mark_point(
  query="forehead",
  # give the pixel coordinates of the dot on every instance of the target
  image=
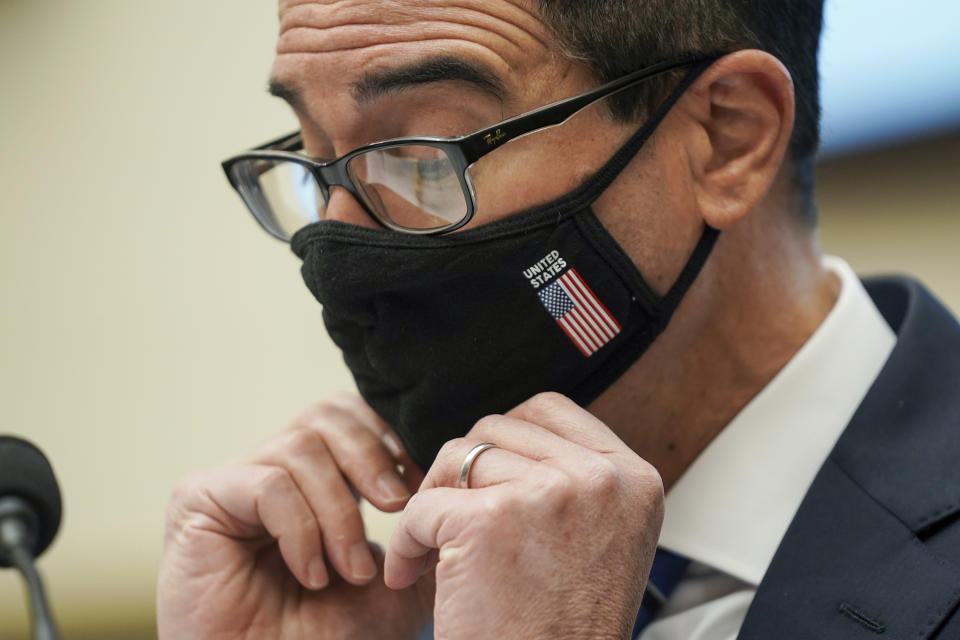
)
(325, 47)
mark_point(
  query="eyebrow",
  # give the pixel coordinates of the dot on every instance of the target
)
(438, 69)
(287, 92)
(375, 85)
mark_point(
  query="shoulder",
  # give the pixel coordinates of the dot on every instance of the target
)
(903, 443)
(879, 529)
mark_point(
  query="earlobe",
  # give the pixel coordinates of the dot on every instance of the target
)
(744, 108)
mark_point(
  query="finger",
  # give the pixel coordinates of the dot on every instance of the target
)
(491, 467)
(409, 470)
(356, 406)
(410, 552)
(363, 454)
(565, 418)
(247, 501)
(524, 438)
(413, 476)
(303, 453)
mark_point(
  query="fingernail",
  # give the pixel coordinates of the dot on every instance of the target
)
(392, 442)
(317, 573)
(361, 562)
(391, 487)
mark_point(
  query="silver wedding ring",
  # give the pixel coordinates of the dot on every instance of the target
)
(464, 481)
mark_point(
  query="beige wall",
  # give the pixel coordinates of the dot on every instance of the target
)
(148, 327)
(897, 211)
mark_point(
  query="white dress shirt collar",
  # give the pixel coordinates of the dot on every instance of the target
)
(733, 505)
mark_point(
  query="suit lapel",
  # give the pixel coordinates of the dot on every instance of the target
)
(853, 563)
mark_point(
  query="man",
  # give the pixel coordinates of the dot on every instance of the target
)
(494, 249)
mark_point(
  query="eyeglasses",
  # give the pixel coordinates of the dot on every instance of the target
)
(416, 185)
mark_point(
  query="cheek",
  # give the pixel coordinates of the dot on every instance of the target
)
(541, 168)
(516, 183)
(652, 213)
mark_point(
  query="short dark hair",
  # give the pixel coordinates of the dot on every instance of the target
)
(614, 37)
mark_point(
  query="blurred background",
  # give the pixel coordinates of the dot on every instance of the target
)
(148, 326)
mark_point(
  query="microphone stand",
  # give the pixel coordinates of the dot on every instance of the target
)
(15, 549)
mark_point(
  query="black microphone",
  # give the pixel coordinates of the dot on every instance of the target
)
(30, 512)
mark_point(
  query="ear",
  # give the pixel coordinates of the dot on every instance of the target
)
(743, 110)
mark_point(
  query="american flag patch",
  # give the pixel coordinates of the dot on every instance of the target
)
(579, 313)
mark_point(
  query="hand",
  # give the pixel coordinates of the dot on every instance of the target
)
(250, 546)
(554, 538)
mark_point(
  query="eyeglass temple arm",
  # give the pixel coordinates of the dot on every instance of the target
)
(478, 144)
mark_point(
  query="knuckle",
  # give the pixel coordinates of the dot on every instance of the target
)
(363, 459)
(186, 488)
(489, 513)
(346, 526)
(191, 501)
(184, 493)
(553, 487)
(546, 407)
(367, 446)
(649, 479)
(336, 404)
(305, 523)
(648, 491)
(301, 438)
(549, 397)
(340, 506)
(352, 403)
(487, 425)
(453, 449)
(410, 508)
(319, 415)
(310, 413)
(274, 480)
(547, 401)
(446, 464)
(601, 476)
(343, 404)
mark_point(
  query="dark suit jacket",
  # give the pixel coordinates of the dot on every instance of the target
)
(874, 550)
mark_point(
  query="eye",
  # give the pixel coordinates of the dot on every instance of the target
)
(432, 168)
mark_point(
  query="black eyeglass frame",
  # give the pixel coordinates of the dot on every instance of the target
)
(462, 151)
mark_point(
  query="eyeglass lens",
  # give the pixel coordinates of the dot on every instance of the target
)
(411, 186)
(283, 195)
(415, 187)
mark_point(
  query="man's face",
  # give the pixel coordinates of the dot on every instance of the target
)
(359, 71)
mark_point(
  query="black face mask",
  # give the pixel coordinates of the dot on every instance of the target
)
(440, 331)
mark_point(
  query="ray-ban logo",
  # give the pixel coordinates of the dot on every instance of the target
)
(495, 137)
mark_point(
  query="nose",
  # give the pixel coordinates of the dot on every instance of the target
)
(344, 207)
